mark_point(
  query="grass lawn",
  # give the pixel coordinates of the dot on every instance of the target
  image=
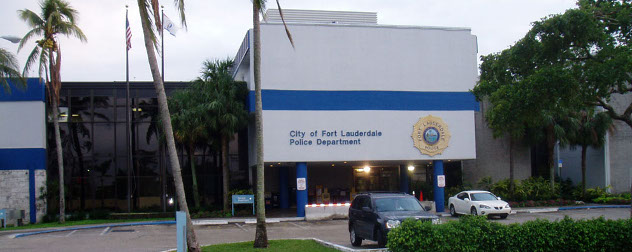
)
(82, 222)
(274, 245)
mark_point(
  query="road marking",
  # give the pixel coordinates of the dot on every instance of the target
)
(69, 234)
(105, 230)
(303, 227)
(241, 227)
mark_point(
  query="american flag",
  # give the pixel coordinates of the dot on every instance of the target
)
(129, 33)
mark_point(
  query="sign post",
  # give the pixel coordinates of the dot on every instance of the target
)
(181, 230)
(244, 199)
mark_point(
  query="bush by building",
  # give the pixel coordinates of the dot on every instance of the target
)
(475, 233)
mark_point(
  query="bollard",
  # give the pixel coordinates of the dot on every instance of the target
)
(181, 230)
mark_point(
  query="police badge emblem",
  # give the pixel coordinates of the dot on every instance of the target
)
(431, 135)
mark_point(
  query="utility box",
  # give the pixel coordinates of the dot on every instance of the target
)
(15, 216)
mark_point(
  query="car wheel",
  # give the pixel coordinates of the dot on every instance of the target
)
(452, 211)
(504, 216)
(354, 238)
(473, 211)
(381, 238)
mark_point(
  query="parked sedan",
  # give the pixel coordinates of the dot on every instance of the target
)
(478, 203)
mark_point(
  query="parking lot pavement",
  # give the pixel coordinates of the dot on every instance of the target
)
(162, 237)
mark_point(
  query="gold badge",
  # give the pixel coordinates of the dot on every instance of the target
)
(431, 135)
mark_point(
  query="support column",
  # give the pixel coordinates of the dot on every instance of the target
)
(438, 191)
(403, 179)
(301, 195)
(284, 194)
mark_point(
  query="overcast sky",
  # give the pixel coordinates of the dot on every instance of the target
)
(216, 29)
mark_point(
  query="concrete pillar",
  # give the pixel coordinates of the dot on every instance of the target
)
(438, 191)
(284, 194)
(301, 195)
(403, 179)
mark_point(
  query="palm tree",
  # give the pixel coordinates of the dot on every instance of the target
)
(9, 70)
(189, 125)
(227, 103)
(145, 8)
(591, 132)
(261, 235)
(57, 17)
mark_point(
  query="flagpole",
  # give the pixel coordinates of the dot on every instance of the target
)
(162, 43)
(128, 119)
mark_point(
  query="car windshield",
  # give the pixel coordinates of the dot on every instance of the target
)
(483, 196)
(397, 204)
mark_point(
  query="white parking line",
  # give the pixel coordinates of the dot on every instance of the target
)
(69, 234)
(303, 227)
(105, 230)
(241, 227)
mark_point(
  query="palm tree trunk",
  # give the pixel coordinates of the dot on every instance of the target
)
(261, 235)
(60, 163)
(550, 147)
(54, 86)
(225, 172)
(511, 167)
(192, 243)
(583, 170)
(196, 192)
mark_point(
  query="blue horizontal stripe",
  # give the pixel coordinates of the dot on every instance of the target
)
(23, 159)
(34, 91)
(364, 100)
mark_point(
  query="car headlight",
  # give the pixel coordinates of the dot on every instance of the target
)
(436, 221)
(392, 224)
(507, 206)
(484, 206)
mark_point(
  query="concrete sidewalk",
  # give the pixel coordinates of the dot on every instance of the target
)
(551, 209)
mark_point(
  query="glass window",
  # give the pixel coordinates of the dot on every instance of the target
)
(80, 138)
(80, 114)
(483, 197)
(103, 114)
(103, 166)
(147, 165)
(121, 139)
(146, 137)
(104, 139)
(397, 204)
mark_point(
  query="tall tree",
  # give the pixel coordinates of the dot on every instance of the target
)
(518, 83)
(261, 235)
(592, 132)
(606, 73)
(146, 9)
(227, 103)
(190, 127)
(57, 17)
(9, 70)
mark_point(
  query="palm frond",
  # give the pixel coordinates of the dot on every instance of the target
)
(287, 31)
(145, 10)
(31, 19)
(32, 58)
(180, 6)
(155, 8)
(9, 70)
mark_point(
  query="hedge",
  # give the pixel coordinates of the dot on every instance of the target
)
(476, 233)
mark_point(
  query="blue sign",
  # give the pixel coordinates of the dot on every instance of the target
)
(244, 199)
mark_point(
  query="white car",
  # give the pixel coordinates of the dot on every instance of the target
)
(478, 203)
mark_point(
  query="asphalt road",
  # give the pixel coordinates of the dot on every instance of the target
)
(162, 237)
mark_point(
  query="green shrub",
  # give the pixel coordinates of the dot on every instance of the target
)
(475, 233)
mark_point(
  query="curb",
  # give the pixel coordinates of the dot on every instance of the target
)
(343, 248)
(321, 242)
(92, 227)
(590, 207)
